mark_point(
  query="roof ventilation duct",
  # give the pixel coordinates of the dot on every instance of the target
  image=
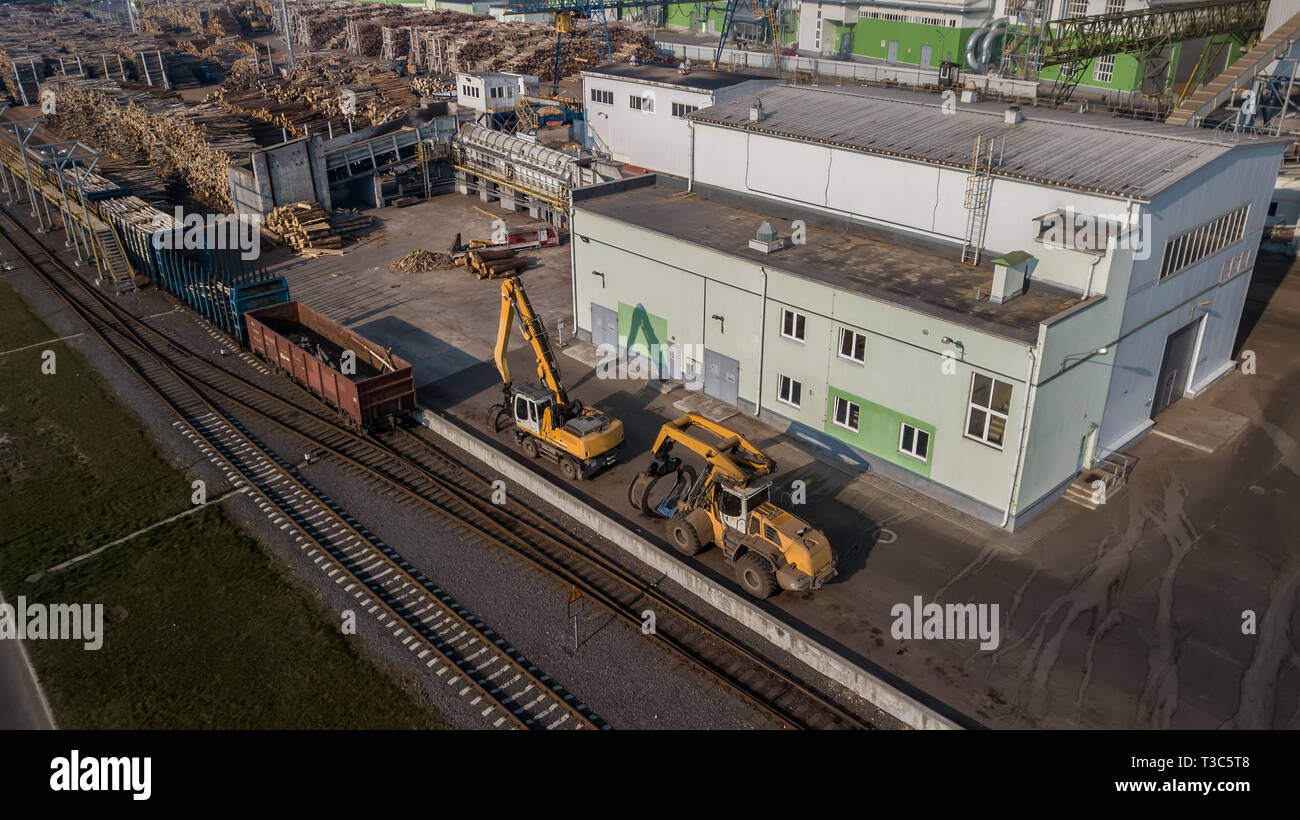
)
(756, 111)
(766, 239)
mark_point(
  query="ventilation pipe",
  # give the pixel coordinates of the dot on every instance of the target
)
(986, 48)
(972, 46)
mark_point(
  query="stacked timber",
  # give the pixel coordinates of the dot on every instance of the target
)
(195, 143)
(311, 231)
(494, 263)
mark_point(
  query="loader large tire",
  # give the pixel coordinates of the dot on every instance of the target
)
(683, 536)
(756, 576)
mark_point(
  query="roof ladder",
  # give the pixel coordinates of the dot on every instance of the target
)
(978, 185)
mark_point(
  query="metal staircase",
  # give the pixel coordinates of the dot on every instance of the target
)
(113, 264)
(1240, 74)
(978, 185)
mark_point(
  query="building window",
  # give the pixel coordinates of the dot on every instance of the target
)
(792, 325)
(638, 103)
(1077, 8)
(846, 414)
(1104, 69)
(1190, 247)
(789, 391)
(1114, 6)
(602, 97)
(990, 402)
(853, 345)
(682, 109)
(913, 442)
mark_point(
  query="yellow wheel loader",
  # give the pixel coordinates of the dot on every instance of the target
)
(546, 423)
(729, 505)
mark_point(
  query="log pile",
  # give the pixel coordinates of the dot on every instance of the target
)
(195, 143)
(422, 261)
(494, 263)
(311, 231)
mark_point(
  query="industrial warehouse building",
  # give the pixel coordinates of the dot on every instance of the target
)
(988, 386)
(636, 114)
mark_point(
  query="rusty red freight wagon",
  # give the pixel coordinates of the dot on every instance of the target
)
(367, 384)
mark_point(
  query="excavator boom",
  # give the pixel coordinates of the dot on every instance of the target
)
(514, 302)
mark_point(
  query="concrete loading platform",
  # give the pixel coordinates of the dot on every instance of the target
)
(1098, 612)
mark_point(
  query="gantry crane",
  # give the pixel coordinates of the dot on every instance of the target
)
(730, 505)
(1072, 43)
(547, 423)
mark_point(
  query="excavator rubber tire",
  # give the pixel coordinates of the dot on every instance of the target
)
(756, 576)
(683, 536)
(529, 446)
(494, 414)
(570, 469)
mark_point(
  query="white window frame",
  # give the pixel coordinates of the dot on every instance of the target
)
(642, 103)
(835, 412)
(601, 96)
(855, 335)
(916, 433)
(682, 109)
(988, 411)
(1103, 71)
(1195, 245)
(795, 323)
(789, 386)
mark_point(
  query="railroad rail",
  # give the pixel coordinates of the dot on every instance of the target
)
(418, 468)
(467, 648)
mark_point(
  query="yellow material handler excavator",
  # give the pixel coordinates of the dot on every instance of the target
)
(729, 505)
(547, 424)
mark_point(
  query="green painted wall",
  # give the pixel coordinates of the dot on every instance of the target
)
(868, 36)
(878, 431)
(639, 331)
(679, 14)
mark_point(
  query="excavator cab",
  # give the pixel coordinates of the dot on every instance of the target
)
(530, 406)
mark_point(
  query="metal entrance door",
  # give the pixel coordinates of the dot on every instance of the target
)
(893, 52)
(925, 56)
(604, 326)
(721, 377)
(1175, 368)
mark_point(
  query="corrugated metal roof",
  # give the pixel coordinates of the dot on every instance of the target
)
(1084, 152)
(704, 79)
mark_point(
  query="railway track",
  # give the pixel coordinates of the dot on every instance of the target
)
(422, 471)
(460, 648)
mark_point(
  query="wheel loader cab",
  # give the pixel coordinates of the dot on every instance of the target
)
(734, 505)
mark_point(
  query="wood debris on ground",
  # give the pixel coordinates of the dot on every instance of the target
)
(422, 261)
